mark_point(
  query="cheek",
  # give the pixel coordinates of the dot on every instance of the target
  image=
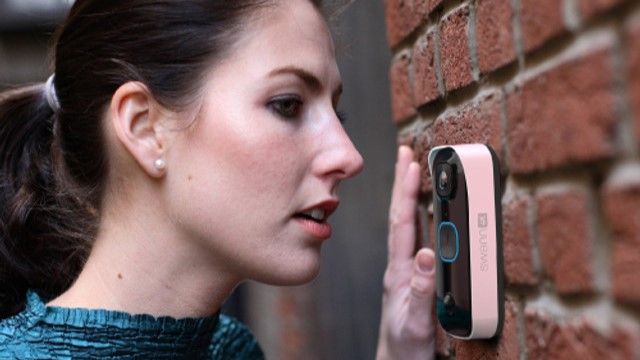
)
(255, 160)
(235, 170)
(235, 191)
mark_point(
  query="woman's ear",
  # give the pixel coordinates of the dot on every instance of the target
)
(137, 122)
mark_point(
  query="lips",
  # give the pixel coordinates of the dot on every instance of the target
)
(319, 212)
(313, 219)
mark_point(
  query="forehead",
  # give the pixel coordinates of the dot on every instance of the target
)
(288, 33)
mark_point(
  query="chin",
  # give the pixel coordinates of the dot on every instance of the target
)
(290, 272)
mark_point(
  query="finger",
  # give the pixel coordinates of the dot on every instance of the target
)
(422, 293)
(402, 234)
(405, 154)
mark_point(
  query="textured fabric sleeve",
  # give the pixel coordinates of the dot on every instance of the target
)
(233, 340)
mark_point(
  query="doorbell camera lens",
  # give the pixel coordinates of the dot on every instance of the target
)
(445, 179)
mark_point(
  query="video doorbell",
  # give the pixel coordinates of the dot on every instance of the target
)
(468, 240)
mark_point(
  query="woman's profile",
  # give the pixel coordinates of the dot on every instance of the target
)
(179, 149)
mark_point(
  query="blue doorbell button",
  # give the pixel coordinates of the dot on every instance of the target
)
(448, 242)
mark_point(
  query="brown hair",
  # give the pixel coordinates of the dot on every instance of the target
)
(53, 164)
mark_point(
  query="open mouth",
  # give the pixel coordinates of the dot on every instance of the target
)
(314, 224)
(316, 215)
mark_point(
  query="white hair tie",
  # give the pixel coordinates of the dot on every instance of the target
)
(50, 94)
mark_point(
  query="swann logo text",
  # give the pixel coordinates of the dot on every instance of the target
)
(483, 222)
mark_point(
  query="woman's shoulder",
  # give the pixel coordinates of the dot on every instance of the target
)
(233, 340)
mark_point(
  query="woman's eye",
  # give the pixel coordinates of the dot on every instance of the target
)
(287, 107)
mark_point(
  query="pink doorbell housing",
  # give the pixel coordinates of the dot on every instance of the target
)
(468, 222)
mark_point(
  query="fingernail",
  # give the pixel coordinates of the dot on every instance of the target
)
(401, 149)
(425, 263)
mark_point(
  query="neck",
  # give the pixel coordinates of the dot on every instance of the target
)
(142, 265)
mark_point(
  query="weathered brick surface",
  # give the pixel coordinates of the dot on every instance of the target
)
(560, 112)
(504, 347)
(494, 34)
(455, 54)
(622, 211)
(565, 240)
(541, 20)
(547, 338)
(589, 8)
(433, 4)
(476, 122)
(425, 71)
(632, 40)
(479, 121)
(563, 116)
(517, 243)
(401, 90)
(402, 17)
(424, 144)
(443, 341)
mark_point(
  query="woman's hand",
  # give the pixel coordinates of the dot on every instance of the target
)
(406, 328)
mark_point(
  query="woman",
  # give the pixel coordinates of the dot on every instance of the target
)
(193, 144)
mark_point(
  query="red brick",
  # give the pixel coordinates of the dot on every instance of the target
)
(401, 92)
(433, 4)
(425, 71)
(494, 34)
(589, 8)
(539, 330)
(627, 342)
(403, 17)
(479, 121)
(518, 256)
(548, 339)
(622, 211)
(454, 49)
(476, 122)
(633, 60)
(443, 341)
(563, 116)
(504, 347)
(541, 20)
(565, 240)
(424, 144)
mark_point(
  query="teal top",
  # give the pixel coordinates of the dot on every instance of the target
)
(50, 332)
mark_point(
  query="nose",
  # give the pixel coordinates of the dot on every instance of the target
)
(339, 158)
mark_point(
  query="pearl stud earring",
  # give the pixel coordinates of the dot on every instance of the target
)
(160, 164)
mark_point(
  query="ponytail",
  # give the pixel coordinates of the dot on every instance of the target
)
(42, 245)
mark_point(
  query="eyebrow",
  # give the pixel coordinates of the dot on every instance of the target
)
(307, 77)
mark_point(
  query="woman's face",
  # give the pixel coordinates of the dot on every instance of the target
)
(266, 147)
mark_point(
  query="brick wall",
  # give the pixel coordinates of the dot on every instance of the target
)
(554, 87)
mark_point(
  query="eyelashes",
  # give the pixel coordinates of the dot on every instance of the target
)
(289, 107)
